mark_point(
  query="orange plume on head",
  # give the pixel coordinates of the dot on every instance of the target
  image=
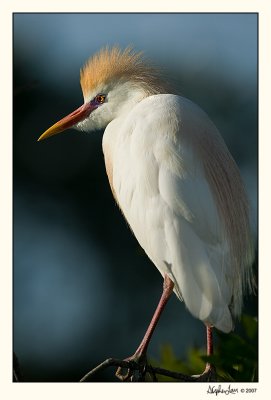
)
(113, 63)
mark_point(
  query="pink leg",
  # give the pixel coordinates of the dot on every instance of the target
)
(209, 373)
(167, 291)
(210, 347)
(141, 351)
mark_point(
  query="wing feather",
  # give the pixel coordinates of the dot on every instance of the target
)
(170, 195)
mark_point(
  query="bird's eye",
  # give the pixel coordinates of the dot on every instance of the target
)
(100, 98)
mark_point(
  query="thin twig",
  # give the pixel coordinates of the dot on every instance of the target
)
(17, 373)
(132, 365)
(110, 362)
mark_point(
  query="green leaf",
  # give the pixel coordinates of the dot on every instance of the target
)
(235, 356)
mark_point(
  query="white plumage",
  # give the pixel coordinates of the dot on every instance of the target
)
(160, 186)
(174, 180)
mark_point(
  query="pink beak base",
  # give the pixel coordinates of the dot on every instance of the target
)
(69, 121)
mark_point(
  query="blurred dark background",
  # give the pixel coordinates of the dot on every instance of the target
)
(84, 290)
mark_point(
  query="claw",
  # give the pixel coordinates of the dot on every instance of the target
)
(121, 375)
(208, 375)
(132, 374)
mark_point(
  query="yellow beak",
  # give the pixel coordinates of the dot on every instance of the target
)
(69, 121)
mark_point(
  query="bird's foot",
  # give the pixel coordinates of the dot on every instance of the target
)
(137, 372)
(208, 375)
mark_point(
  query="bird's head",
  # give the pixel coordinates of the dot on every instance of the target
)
(112, 82)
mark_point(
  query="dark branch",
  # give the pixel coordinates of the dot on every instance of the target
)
(134, 366)
(17, 374)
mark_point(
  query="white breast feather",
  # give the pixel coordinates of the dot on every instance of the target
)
(161, 188)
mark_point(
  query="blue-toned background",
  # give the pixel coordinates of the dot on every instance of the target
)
(83, 288)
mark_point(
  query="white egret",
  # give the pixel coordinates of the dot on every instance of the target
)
(176, 183)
